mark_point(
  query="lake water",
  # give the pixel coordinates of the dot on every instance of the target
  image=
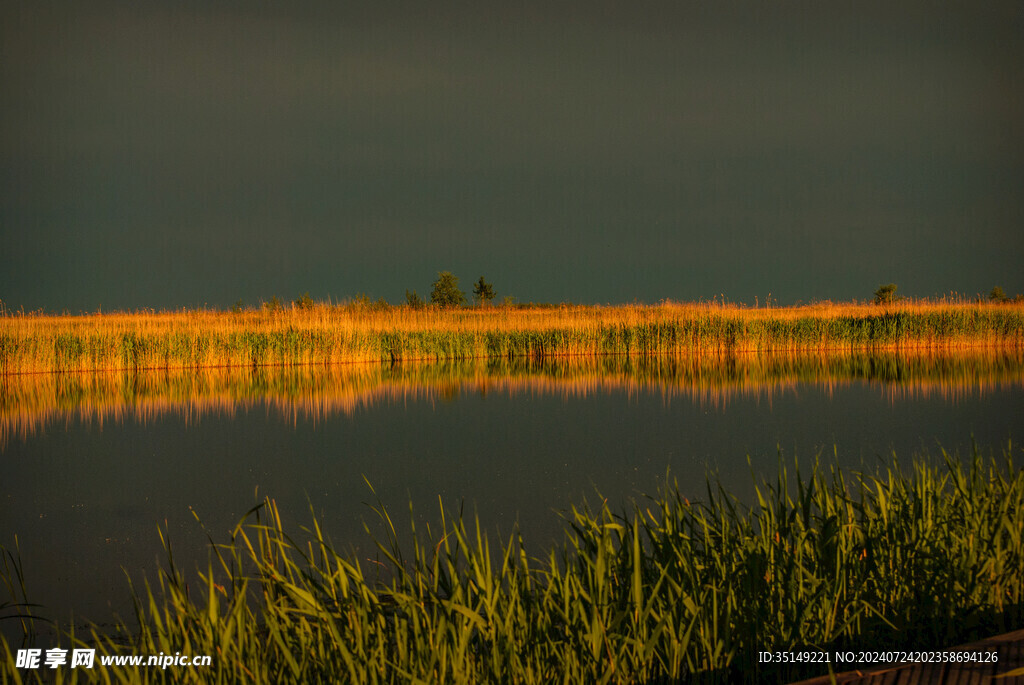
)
(94, 464)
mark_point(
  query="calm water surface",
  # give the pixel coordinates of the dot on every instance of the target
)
(94, 465)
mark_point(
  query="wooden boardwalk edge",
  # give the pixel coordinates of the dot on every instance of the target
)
(1008, 646)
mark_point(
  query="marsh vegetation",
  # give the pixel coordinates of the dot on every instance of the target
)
(666, 590)
(322, 334)
(672, 587)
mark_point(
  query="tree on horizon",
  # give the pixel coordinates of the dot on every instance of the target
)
(446, 291)
(885, 293)
(484, 291)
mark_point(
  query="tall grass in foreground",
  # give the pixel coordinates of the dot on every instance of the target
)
(670, 590)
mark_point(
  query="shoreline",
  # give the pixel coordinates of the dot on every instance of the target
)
(326, 335)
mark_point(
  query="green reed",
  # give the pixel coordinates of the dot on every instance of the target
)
(669, 590)
(326, 334)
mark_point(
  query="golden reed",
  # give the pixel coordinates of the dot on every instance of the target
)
(325, 334)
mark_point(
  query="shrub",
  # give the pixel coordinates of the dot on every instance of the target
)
(885, 294)
(414, 300)
(364, 303)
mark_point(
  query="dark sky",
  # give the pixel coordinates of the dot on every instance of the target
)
(170, 154)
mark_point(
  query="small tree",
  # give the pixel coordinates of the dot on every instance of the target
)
(446, 291)
(885, 294)
(997, 295)
(413, 299)
(304, 302)
(484, 291)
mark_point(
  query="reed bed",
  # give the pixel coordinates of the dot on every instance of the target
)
(667, 591)
(30, 401)
(326, 334)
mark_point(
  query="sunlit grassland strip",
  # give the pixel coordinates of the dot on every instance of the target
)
(666, 591)
(30, 401)
(328, 334)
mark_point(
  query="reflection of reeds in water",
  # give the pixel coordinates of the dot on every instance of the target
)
(29, 402)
